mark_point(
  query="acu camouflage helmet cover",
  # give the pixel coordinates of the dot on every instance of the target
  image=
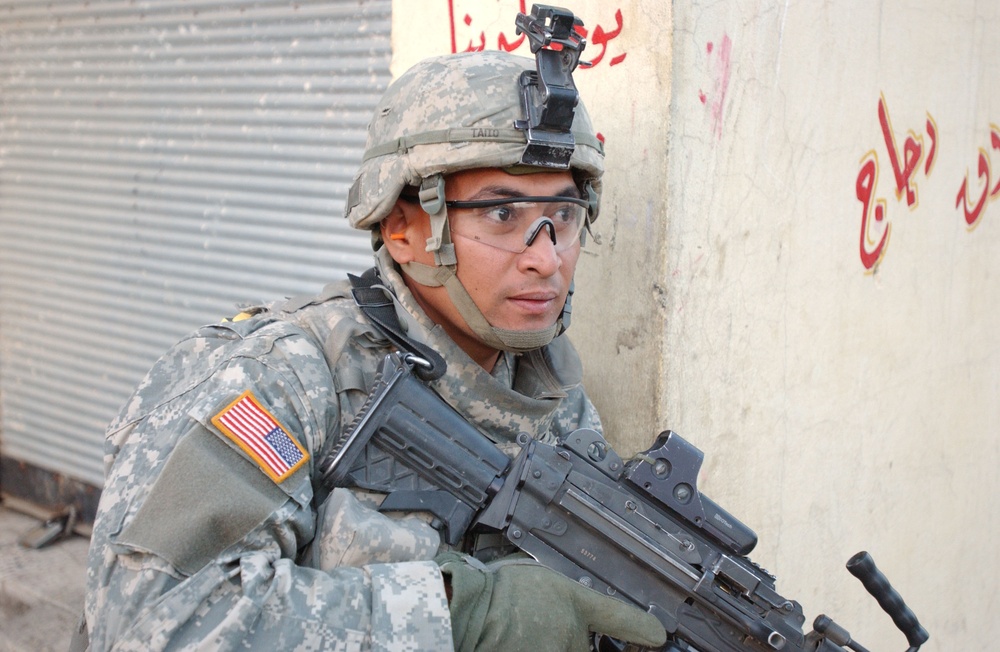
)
(451, 113)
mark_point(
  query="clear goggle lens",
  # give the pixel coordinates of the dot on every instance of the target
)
(513, 224)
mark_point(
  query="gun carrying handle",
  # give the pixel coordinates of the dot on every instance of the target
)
(862, 566)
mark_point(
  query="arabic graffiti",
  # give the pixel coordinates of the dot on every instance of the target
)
(599, 38)
(905, 163)
(867, 180)
(874, 226)
(602, 38)
(912, 151)
(973, 214)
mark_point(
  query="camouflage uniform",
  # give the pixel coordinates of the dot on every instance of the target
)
(200, 545)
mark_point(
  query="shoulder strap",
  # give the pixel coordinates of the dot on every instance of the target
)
(378, 307)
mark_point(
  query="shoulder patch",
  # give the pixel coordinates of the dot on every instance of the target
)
(258, 433)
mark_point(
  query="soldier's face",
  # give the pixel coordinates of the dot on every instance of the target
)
(514, 291)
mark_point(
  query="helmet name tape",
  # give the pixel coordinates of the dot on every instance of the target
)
(405, 143)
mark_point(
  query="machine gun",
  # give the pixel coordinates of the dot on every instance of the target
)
(638, 530)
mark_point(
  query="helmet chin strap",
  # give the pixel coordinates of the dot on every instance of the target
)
(498, 338)
(443, 273)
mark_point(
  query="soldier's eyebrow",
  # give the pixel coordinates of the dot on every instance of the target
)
(499, 191)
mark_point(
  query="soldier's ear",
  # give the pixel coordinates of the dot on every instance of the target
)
(400, 232)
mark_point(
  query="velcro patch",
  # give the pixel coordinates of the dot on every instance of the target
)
(258, 433)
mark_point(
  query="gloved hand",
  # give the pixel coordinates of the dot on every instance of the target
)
(518, 605)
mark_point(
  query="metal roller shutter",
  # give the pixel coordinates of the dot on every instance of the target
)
(160, 163)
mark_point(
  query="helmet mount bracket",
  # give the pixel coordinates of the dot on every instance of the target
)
(548, 94)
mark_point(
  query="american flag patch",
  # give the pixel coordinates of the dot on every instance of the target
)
(260, 435)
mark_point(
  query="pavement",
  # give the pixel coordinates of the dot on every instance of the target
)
(41, 591)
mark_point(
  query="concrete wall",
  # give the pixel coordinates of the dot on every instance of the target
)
(799, 274)
(833, 317)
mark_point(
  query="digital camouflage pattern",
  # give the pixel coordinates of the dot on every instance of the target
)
(453, 113)
(195, 547)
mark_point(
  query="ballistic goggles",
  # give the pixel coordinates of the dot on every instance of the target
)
(513, 224)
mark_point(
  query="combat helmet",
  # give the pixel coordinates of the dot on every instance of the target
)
(466, 111)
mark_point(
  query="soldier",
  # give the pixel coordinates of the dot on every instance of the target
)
(214, 531)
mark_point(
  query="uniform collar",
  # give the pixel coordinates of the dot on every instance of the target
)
(509, 403)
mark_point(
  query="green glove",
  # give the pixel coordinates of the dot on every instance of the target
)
(517, 604)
